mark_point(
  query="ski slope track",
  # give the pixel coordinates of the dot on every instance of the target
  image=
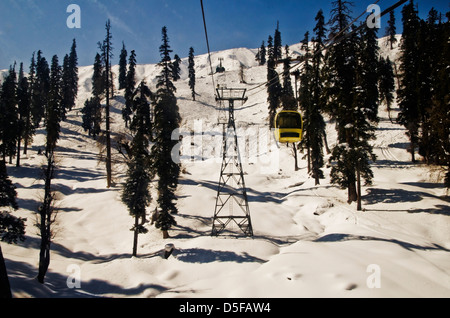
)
(308, 242)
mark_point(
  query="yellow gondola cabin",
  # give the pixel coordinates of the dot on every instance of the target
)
(288, 126)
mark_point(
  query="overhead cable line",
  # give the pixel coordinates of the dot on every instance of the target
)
(207, 45)
(335, 40)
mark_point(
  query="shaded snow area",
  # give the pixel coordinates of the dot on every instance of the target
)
(308, 242)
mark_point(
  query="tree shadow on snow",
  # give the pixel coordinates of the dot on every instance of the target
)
(340, 237)
(200, 255)
(375, 196)
(393, 196)
(22, 277)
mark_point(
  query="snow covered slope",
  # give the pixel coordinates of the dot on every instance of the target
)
(308, 241)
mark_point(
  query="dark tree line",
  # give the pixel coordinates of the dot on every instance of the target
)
(347, 82)
(46, 94)
(23, 101)
(423, 95)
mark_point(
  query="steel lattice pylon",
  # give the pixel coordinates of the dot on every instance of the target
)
(231, 202)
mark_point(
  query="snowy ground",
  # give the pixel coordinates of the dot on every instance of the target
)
(308, 241)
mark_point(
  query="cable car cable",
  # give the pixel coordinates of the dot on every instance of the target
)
(333, 41)
(207, 45)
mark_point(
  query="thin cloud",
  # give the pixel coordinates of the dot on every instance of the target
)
(116, 21)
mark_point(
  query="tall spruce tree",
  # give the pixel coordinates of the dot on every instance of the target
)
(92, 110)
(8, 115)
(273, 83)
(430, 42)
(47, 212)
(23, 103)
(92, 116)
(98, 80)
(262, 54)
(191, 69)
(408, 91)
(69, 88)
(288, 100)
(365, 108)
(73, 69)
(167, 120)
(391, 30)
(40, 89)
(130, 85)
(277, 44)
(106, 49)
(440, 115)
(29, 128)
(176, 68)
(386, 83)
(123, 67)
(316, 125)
(340, 77)
(136, 193)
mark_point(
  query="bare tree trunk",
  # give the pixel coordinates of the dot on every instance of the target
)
(295, 156)
(45, 212)
(108, 126)
(25, 141)
(136, 233)
(18, 152)
(326, 143)
(358, 182)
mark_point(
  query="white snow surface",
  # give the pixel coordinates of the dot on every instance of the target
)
(308, 242)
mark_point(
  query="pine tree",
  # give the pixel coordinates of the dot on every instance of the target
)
(288, 100)
(29, 129)
(92, 110)
(386, 83)
(106, 50)
(92, 116)
(366, 107)
(167, 119)
(40, 89)
(123, 67)
(12, 228)
(176, 68)
(73, 69)
(53, 126)
(391, 30)
(277, 44)
(130, 84)
(430, 42)
(262, 54)
(273, 83)
(98, 81)
(136, 194)
(191, 68)
(440, 115)
(8, 115)
(340, 78)
(408, 91)
(53, 111)
(69, 89)
(68, 100)
(23, 103)
(315, 130)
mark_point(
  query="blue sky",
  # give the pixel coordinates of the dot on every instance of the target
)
(30, 25)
